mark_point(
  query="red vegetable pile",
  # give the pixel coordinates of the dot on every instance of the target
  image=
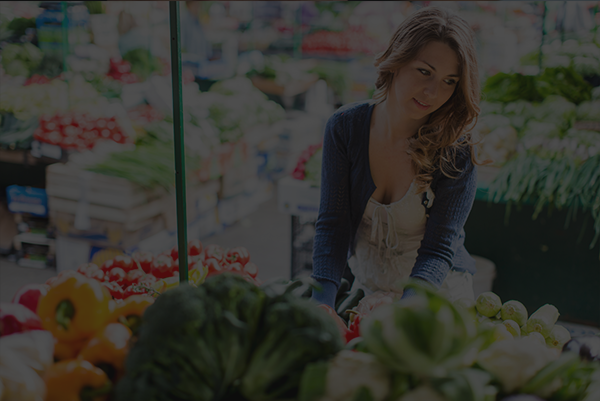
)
(78, 131)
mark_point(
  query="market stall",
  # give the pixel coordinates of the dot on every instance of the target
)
(144, 305)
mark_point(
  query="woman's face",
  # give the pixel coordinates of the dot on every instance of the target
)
(424, 84)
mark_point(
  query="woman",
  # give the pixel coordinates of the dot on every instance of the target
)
(398, 175)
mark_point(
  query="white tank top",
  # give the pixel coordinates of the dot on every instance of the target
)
(388, 238)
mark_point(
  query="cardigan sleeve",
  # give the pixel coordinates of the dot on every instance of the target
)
(444, 232)
(332, 229)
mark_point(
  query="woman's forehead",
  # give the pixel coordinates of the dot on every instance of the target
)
(440, 57)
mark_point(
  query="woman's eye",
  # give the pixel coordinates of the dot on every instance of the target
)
(451, 82)
(424, 72)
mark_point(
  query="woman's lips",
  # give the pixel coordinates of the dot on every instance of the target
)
(419, 105)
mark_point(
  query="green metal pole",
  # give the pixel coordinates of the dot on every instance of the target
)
(541, 54)
(179, 141)
(65, 34)
(65, 45)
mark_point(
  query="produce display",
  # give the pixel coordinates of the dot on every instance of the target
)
(126, 328)
(427, 348)
(308, 167)
(79, 130)
(342, 44)
(529, 129)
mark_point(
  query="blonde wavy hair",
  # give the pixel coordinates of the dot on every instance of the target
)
(447, 130)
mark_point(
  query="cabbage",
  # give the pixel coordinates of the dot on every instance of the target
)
(424, 335)
(348, 374)
(515, 363)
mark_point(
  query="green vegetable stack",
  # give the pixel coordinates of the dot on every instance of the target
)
(424, 344)
(510, 320)
(226, 339)
(21, 59)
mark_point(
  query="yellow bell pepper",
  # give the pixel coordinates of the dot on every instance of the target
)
(108, 350)
(76, 380)
(131, 310)
(75, 308)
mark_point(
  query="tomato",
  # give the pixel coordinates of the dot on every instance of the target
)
(251, 269)
(144, 259)
(216, 252)
(124, 262)
(194, 247)
(116, 275)
(162, 267)
(116, 291)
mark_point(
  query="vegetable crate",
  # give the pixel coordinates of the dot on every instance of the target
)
(538, 261)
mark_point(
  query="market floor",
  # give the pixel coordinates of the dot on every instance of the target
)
(266, 234)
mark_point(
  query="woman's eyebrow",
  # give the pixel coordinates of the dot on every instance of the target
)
(433, 68)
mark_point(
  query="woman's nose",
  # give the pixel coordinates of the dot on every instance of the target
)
(431, 90)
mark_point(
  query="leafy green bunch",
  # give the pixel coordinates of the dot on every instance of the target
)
(562, 81)
(226, 339)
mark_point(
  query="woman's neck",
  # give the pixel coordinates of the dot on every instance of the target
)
(395, 125)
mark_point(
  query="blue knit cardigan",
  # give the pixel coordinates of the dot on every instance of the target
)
(347, 185)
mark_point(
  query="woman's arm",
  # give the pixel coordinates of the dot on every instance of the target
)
(332, 235)
(444, 233)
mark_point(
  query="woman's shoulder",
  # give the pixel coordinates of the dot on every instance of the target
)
(351, 111)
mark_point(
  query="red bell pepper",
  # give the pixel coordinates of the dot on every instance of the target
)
(163, 267)
(107, 266)
(133, 277)
(135, 289)
(124, 262)
(116, 291)
(195, 247)
(213, 267)
(144, 259)
(17, 318)
(194, 260)
(338, 320)
(251, 269)
(116, 275)
(215, 252)
(91, 270)
(353, 329)
(239, 255)
(174, 253)
(29, 295)
(236, 268)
